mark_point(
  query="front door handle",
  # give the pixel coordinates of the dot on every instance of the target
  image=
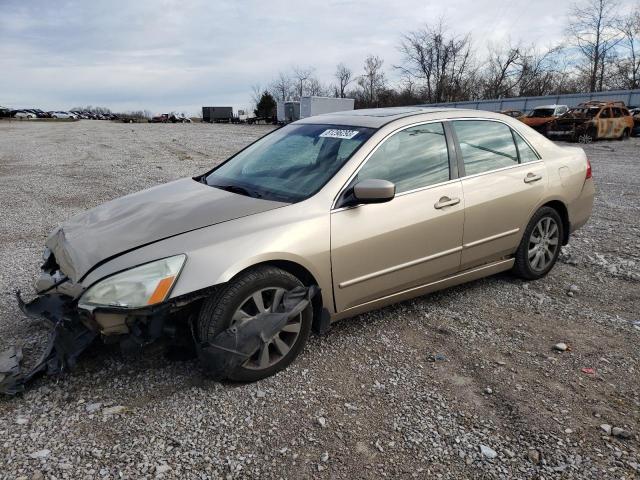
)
(446, 202)
(532, 177)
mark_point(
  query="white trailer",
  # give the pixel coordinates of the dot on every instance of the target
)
(310, 106)
(288, 111)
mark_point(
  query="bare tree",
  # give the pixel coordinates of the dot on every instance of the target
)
(539, 71)
(344, 76)
(373, 79)
(628, 68)
(301, 75)
(281, 87)
(592, 30)
(408, 85)
(503, 71)
(315, 87)
(256, 93)
(442, 65)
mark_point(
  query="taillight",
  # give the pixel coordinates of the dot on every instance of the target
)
(588, 170)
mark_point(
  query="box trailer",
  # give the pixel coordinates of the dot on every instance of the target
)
(288, 111)
(217, 114)
(311, 106)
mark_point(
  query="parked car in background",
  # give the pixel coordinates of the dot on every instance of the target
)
(635, 113)
(170, 118)
(38, 113)
(162, 118)
(5, 112)
(513, 113)
(539, 117)
(592, 121)
(373, 206)
(23, 114)
(61, 114)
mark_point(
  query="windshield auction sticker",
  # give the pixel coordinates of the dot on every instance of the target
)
(336, 133)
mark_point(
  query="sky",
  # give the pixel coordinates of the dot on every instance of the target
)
(178, 55)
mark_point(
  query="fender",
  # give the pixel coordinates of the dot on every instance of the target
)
(216, 253)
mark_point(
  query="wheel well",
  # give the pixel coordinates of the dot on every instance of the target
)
(560, 207)
(306, 277)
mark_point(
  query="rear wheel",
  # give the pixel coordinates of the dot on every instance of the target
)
(540, 245)
(256, 291)
(625, 134)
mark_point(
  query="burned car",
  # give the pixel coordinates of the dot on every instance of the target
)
(592, 121)
(513, 113)
(323, 219)
(540, 117)
(635, 113)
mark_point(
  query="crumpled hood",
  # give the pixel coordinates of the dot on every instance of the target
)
(142, 218)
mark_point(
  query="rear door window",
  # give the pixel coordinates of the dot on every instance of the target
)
(485, 145)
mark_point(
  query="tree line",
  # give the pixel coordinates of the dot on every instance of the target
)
(600, 51)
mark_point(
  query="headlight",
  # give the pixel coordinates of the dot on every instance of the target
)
(141, 286)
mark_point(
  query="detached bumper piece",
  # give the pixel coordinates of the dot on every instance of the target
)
(234, 346)
(68, 338)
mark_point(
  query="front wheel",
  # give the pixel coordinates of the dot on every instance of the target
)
(256, 291)
(540, 245)
(589, 136)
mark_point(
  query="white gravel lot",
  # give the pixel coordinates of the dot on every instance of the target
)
(460, 384)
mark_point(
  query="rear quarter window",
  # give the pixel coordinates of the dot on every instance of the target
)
(524, 150)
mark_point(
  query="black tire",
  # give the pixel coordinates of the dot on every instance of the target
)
(523, 265)
(217, 312)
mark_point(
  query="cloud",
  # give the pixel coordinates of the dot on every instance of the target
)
(182, 54)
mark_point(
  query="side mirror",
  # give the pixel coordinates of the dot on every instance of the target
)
(368, 191)
(374, 191)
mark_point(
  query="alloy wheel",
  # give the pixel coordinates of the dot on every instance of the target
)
(543, 244)
(585, 138)
(277, 347)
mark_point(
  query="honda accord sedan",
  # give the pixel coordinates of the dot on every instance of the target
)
(366, 207)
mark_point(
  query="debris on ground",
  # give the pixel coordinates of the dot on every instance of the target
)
(488, 452)
(438, 357)
(560, 347)
(620, 432)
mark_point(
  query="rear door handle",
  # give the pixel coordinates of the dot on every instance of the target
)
(446, 202)
(532, 177)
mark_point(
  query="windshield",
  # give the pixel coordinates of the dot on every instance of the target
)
(290, 164)
(542, 112)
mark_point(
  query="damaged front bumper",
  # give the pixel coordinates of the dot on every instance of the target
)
(72, 330)
(68, 338)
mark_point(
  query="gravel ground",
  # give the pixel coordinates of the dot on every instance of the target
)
(462, 383)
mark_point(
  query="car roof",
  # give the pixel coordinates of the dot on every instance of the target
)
(373, 117)
(548, 106)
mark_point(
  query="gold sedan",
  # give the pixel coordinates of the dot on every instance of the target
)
(372, 206)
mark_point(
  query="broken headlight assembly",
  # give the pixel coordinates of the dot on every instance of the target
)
(140, 286)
